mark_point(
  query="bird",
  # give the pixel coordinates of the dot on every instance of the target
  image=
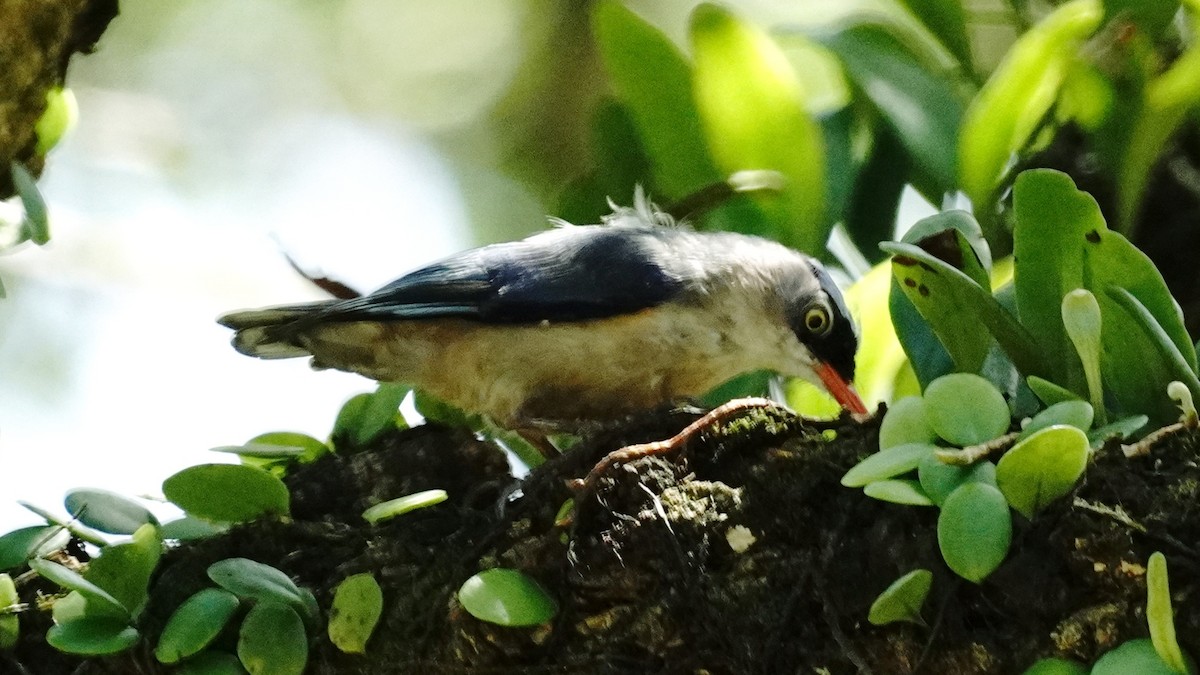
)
(581, 323)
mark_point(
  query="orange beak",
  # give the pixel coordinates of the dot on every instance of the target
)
(840, 389)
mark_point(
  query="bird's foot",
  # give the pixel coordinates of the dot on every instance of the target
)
(630, 453)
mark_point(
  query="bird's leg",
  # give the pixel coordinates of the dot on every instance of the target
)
(539, 440)
(631, 452)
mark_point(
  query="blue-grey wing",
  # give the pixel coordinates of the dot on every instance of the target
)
(568, 274)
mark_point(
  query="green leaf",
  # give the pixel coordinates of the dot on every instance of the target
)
(310, 448)
(1015, 99)
(939, 479)
(753, 113)
(506, 597)
(1123, 428)
(228, 493)
(946, 20)
(357, 605)
(902, 600)
(107, 511)
(1169, 98)
(893, 461)
(1050, 393)
(94, 636)
(195, 623)
(211, 663)
(58, 118)
(654, 81)
(921, 107)
(898, 491)
(1042, 468)
(956, 306)
(1075, 413)
(10, 623)
(37, 219)
(1160, 616)
(72, 580)
(906, 422)
(433, 409)
(272, 641)
(869, 212)
(365, 417)
(974, 530)
(249, 579)
(1082, 322)
(966, 409)
(402, 505)
(1177, 365)
(77, 530)
(124, 570)
(189, 528)
(30, 542)
(1061, 242)
(1056, 666)
(928, 358)
(1134, 656)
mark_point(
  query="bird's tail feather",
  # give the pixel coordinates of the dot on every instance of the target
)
(270, 333)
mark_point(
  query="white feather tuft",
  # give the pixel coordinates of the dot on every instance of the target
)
(643, 213)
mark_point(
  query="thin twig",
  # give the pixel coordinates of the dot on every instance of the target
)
(974, 453)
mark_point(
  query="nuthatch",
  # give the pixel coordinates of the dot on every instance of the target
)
(581, 322)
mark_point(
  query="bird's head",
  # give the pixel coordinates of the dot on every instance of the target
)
(816, 312)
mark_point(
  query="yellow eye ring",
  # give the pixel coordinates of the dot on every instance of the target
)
(817, 320)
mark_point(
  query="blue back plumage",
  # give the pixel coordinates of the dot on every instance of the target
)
(566, 274)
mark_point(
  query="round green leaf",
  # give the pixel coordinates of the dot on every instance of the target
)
(10, 625)
(902, 600)
(211, 663)
(974, 530)
(364, 417)
(357, 605)
(1056, 667)
(1135, 656)
(195, 623)
(272, 641)
(229, 493)
(939, 479)
(92, 636)
(402, 505)
(249, 579)
(902, 491)
(887, 463)
(72, 580)
(1042, 468)
(58, 118)
(905, 422)
(107, 511)
(506, 597)
(30, 542)
(966, 409)
(1075, 413)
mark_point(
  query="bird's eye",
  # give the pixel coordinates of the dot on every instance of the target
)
(817, 320)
